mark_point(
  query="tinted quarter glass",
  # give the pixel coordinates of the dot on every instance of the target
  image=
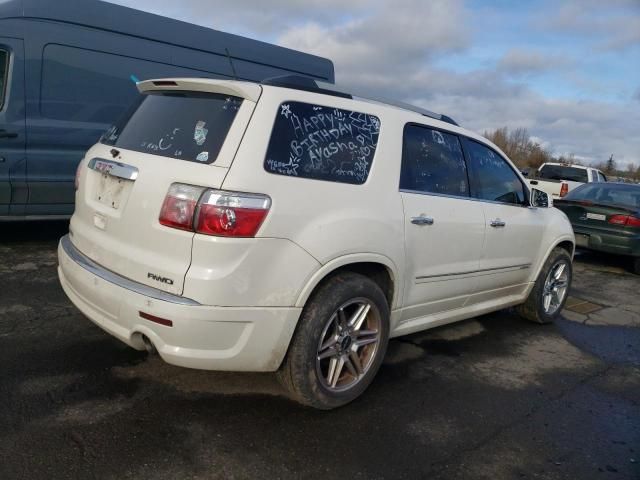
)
(183, 125)
(322, 143)
(432, 162)
(491, 176)
(4, 71)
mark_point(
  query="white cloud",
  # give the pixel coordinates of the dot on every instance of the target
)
(392, 49)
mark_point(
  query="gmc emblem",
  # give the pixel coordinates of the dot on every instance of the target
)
(159, 278)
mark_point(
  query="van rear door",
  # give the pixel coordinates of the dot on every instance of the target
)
(13, 191)
(171, 138)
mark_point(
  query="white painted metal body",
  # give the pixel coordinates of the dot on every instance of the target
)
(248, 293)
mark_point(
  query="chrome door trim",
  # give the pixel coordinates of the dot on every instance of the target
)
(461, 197)
(422, 220)
(111, 277)
(522, 266)
(115, 169)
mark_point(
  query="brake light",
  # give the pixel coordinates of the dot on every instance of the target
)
(564, 189)
(231, 214)
(214, 212)
(626, 220)
(179, 206)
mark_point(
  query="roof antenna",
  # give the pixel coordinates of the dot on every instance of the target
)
(233, 69)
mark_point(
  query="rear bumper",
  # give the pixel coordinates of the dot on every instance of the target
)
(204, 337)
(609, 243)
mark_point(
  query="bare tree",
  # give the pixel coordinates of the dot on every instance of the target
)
(519, 147)
(610, 167)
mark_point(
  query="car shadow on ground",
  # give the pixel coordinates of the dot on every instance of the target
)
(36, 231)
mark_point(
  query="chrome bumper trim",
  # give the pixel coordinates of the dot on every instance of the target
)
(111, 277)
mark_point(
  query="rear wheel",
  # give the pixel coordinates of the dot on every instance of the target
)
(339, 344)
(549, 293)
(636, 265)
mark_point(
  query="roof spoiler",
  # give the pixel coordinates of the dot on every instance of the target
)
(247, 90)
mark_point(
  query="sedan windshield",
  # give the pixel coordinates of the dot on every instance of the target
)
(627, 196)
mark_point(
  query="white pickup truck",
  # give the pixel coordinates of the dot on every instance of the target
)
(557, 179)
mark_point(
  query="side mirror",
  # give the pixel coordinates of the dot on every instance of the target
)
(540, 199)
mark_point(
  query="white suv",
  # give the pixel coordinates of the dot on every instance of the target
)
(286, 227)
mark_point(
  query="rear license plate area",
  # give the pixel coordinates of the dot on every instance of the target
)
(110, 191)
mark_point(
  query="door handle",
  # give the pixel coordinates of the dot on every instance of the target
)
(498, 223)
(5, 134)
(422, 220)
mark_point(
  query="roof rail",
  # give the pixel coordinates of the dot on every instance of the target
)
(308, 84)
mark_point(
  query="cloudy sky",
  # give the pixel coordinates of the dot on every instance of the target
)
(568, 71)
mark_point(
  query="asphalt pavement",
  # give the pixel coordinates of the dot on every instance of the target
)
(494, 397)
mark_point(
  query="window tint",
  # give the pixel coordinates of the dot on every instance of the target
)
(4, 70)
(323, 143)
(623, 195)
(432, 161)
(183, 125)
(561, 172)
(491, 176)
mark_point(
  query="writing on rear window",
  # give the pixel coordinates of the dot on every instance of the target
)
(188, 126)
(322, 143)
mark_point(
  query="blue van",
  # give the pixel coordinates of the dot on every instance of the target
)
(68, 71)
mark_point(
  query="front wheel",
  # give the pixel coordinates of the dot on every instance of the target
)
(549, 293)
(339, 343)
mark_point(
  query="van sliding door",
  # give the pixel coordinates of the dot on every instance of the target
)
(13, 191)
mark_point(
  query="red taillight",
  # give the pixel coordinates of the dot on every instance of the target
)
(564, 189)
(231, 214)
(179, 206)
(626, 220)
(214, 212)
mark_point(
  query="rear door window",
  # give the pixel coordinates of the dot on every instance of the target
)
(4, 72)
(322, 143)
(188, 126)
(491, 176)
(432, 162)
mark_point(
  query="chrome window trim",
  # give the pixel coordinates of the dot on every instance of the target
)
(115, 169)
(473, 199)
(5, 80)
(111, 277)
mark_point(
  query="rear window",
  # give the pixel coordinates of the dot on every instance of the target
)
(622, 195)
(4, 68)
(560, 172)
(322, 143)
(188, 126)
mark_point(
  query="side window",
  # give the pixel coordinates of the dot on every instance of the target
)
(491, 176)
(432, 162)
(322, 143)
(601, 177)
(4, 71)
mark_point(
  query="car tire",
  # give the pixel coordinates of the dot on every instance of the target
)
(339, 343)
(552, 286)
(636, 265)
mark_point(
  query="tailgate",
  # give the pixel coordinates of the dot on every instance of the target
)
(123, 181)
